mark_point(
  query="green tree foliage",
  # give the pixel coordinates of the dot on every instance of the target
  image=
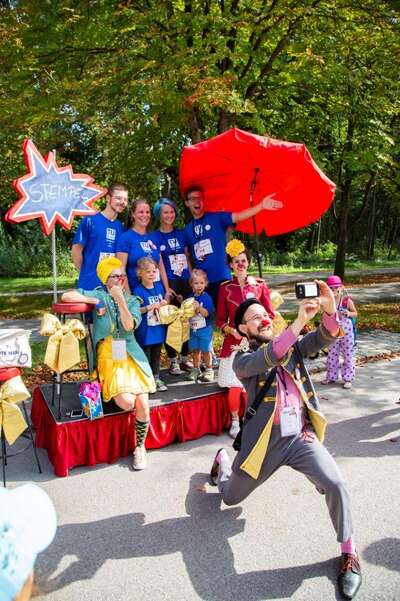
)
(117, 88)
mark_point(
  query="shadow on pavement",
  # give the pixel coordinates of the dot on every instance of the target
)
(202, 537)
(384, 552)
(356, 437)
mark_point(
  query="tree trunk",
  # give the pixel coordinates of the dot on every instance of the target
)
(340, 262)
(394, 237)
(372, 230)
(311, 238)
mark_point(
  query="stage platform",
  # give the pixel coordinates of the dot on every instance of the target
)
(185, 411)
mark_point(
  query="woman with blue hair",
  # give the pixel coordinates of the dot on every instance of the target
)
(170, 242)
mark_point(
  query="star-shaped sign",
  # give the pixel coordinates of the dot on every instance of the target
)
(50, 193)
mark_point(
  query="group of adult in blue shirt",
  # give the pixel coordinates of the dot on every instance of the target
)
(200, 244)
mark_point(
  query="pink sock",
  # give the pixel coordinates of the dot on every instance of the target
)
(348, 546)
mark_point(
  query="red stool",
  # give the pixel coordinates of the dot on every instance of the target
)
(62, 310)
(7, 373)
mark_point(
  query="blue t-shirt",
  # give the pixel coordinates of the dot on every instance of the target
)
(137, 246)
(150, 331)
(205, 300)
(98, 236)
(172, 248)
(206, 240)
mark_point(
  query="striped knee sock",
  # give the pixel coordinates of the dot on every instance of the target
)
(141, 432)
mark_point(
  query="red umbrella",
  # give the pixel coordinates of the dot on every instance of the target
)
(227, 165)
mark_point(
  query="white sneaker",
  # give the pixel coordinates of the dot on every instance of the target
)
(194, 374)
(235, 428)
(207, 375)
(347, 385)
(139, 458)
(161, 387)
(174, 368)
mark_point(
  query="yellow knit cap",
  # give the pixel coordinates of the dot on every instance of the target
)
(106, 266)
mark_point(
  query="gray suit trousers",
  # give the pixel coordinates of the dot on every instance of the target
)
(310, 458)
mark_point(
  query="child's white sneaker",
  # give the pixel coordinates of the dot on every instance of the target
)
(234, 429)
(207, 376)
(139, 458)
(161, 387)
(194, 374)
(174, 368)
(347, 385)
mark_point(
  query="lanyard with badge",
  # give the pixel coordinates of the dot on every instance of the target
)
(290, 418)
(202, 247)
(118, 345)
(178, 261)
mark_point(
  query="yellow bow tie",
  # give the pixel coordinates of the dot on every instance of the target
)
(12, 422)
(62, 350)
(177, 319)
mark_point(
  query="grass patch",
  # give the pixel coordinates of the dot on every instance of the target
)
(379, 316)
(25, 307)
(34, 283)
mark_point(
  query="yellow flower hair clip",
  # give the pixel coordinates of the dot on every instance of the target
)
(235, 248)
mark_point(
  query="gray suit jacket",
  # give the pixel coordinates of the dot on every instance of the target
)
(252, 367)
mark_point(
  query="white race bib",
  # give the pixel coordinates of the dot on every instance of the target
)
(153, 318)
(105, 255)
(118, 349)
(203, 248)
(290, 421)
(178, 263)
(197, 322)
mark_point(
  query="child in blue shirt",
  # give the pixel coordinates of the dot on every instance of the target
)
(200, 341)
(151, 334)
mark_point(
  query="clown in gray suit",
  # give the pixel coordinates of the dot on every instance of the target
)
(283, 422)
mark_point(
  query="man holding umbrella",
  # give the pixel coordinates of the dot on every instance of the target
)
(205, 235)
(283, 423)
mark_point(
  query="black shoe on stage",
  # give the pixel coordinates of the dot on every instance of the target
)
(214, 469)
(349, 578)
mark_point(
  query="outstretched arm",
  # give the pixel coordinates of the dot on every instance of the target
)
(250, 364)
(269, 203)
(73, 296)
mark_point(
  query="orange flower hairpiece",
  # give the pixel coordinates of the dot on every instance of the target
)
(235, 248)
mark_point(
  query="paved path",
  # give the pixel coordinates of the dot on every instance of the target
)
(279, 279)
(386, 292)
(163, 534)
(375, 293)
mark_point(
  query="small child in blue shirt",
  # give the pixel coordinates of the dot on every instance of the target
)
(200, 341)
(151, 334)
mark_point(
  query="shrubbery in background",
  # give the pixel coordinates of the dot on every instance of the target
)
(28, 252)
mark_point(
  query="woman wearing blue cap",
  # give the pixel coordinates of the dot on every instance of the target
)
(170, 242)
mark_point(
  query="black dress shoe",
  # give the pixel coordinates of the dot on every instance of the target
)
(214, 469)
(349, 578)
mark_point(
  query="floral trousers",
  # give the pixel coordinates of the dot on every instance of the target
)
(345, 348)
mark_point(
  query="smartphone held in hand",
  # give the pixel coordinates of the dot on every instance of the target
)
(307, 290)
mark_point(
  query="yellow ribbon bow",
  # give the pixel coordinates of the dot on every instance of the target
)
(279, 323)
(62, 350)
(177, 319)
(12, 421)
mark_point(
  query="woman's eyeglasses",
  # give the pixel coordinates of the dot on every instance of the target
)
(118, 276)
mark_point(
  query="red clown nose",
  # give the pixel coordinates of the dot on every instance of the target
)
(265, 323)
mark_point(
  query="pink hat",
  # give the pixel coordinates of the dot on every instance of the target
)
(334, 281)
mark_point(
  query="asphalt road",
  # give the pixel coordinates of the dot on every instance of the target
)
(163, 534)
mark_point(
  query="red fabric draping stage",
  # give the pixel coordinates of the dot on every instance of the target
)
(105, 440)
